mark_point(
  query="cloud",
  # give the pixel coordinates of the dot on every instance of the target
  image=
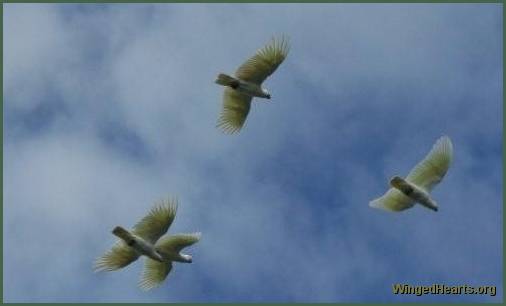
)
(111, 107)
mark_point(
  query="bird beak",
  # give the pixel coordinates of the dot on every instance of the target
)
(430, 206)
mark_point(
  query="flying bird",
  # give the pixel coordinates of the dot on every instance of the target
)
(416, 188)
(247, 83)
(146, 239)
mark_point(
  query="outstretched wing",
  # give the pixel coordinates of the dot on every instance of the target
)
(235, 110)
(119, 256)
(431, 170)
(175, 243)
(157, 222)
(154, 273)
(392, 200)
(264, 62)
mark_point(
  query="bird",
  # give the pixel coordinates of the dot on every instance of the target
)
(416, 188)
(146, 239)
(247, 83)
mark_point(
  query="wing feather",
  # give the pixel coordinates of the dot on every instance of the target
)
(157, 222)
(119, 256)
(236, 107)
(264, 62)
(392, 200)
(175, 243)
(154, 273)
(431, 170)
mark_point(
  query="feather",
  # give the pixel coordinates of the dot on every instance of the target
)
(431, 170)
(157, 222)
(154, 273)
(264, 62)
(392, 200)
(175, 243)
(119, 256)
(236, 107)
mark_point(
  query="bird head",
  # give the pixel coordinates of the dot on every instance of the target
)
(187, 258)
(266, 93)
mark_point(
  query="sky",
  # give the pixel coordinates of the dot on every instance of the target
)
(110, 108)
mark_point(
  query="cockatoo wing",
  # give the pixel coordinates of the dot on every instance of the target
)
(431, 170)
(119, 256)
(175, 243)
(392, 200)
(235, 110)
(154, 273)
(264, 62)
(157, 222)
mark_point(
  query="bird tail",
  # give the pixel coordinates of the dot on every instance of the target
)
(226, 80)
(124, 234)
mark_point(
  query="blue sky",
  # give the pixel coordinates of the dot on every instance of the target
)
(108, 108)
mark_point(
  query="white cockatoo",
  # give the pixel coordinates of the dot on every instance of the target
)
(146, 239)
(247, 84)
(418, 184)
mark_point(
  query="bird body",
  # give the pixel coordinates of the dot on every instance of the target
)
(416, 188)
(146, 239)
(245, 87)
(415, 193)
(141, 246)
(247, 83)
